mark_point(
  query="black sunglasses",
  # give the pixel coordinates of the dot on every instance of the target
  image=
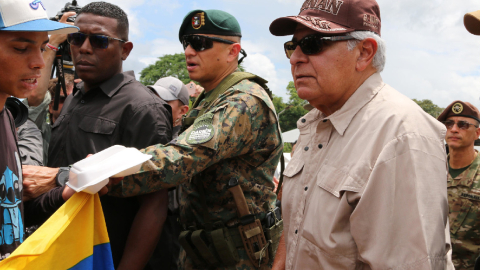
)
(201, 43)
(460, 124)
(311, 44)
(97, 41)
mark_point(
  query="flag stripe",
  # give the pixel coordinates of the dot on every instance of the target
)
(101, 259)
(75, 237)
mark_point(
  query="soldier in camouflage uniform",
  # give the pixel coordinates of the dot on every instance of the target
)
(462, 121)
(236, 136)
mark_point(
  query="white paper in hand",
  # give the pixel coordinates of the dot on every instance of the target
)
(91, 174)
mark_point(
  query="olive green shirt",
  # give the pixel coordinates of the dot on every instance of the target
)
(456, 172)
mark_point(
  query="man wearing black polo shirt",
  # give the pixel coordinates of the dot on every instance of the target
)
(112, 108)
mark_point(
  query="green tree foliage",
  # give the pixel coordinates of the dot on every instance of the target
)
(430, 108)
(168, 65)
(278, 103)
(287, 147)
(291, 111)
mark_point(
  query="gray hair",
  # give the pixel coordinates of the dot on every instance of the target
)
(380, 57)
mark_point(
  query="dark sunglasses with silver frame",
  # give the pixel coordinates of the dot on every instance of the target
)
(311, 44)
(97, 41)
(460, 124)
(201, 43)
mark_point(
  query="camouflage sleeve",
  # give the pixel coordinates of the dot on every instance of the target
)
(236, 122)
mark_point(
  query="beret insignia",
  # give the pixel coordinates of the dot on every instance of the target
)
(198, 20)
(457, 108)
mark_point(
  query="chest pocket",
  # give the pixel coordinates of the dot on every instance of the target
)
(97, 125)
(294, 168)
(336, 181)
(464, 203)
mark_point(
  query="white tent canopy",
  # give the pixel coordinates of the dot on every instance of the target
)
(291, 136)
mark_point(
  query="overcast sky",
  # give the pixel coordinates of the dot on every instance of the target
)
(430, 55)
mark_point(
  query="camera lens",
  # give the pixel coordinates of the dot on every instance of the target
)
(18, 110)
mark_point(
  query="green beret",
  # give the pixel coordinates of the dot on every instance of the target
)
(215, 22)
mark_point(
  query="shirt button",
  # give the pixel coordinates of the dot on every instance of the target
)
(320, 146)
(82, 101)
(303, 120)
(306, 188)
(306, 148)
(325, 120)
(296, 231)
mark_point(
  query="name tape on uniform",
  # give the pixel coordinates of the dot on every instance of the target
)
(470, 196)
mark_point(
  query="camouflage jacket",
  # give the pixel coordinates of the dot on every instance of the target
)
(464, 215)
(245, 143)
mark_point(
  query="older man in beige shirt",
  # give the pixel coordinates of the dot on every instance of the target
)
(366, 187)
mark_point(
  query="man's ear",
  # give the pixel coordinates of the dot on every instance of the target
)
(184, 109)
(233, 53)
(126, 49)
(368, 48)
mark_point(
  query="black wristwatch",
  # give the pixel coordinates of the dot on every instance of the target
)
(62, 176)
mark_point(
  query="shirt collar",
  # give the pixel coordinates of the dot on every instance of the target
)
(342, 118)
(112, 85)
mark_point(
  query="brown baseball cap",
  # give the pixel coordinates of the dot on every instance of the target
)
(472, 22)
(460, 108)
(332, 17)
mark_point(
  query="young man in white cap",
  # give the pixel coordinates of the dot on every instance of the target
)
(175, 93)
(24, 29)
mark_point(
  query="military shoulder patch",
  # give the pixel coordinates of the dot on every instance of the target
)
(202, 130)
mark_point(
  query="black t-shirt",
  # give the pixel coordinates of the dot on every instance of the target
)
(12, 230)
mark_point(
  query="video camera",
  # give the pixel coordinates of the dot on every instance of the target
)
(68, 7)
(63, 54)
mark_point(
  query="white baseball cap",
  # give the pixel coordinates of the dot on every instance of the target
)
(29, 16)
(171, 88)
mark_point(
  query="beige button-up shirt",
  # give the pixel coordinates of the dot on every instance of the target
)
(367, 186)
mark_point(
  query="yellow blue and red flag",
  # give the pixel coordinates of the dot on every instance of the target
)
(75, 237)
